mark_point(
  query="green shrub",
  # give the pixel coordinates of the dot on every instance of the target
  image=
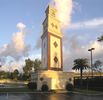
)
(44, 87)
(69, 87)
(32, 85)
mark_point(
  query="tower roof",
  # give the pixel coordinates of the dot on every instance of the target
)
(51, 11)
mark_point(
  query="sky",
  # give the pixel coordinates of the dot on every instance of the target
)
(21, 28)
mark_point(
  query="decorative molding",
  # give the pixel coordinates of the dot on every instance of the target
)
(49, 67)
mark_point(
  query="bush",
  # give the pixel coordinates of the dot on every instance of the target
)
(44, 87)
(69, 87)
(32, 85)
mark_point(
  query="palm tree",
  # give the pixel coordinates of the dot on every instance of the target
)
(100, 39)
(80, 64)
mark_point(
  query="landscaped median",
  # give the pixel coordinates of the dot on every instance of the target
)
(15, 90)
(86, 92)
(74, 91)
(79, 91)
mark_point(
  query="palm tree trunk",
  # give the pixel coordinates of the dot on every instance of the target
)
(81, 72)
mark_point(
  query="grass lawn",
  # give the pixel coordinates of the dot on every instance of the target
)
(15, 90)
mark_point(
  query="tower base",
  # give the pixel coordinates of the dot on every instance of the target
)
(54, 79)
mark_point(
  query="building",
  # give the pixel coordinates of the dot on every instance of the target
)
(51, 41)
(52, 55)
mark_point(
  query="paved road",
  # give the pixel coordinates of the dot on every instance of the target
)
(47, 96)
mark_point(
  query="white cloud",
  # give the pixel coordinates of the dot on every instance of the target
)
(17, 48)
(98, 49)
(87, 24)
(73, 49)
(21, 26)
(36, 56)
(18, 41)
(64, 11)
(11, 66)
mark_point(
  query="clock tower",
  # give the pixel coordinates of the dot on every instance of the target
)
(52, 41)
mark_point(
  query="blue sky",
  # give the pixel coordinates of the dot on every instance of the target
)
(80, 34)
(29, 12)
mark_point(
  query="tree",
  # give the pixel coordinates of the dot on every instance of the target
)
(100, 39)
(37, 64)
(97, 66)
(15, 74)
(80, 64)
(29, 64)
(3, 75)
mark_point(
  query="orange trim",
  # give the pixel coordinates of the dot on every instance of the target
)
(61, 55)
(48, 51)
(49, 67)
(56, 69)
(55, 35)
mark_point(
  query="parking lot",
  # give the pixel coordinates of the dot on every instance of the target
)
(48, 96)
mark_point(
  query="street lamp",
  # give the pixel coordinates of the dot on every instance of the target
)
(91, 59)
(0, 63)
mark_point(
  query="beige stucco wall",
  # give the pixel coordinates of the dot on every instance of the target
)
(44, 52)
(54, 79)
(51, 25)
(53, 29)
(55, 52)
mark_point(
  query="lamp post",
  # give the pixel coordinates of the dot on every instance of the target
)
(0, 67)
(91, 49)
(0, 63)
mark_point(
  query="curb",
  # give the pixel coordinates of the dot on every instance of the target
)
(59, 92)
(87, 94)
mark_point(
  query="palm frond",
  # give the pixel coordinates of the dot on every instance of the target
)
(81, 63)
